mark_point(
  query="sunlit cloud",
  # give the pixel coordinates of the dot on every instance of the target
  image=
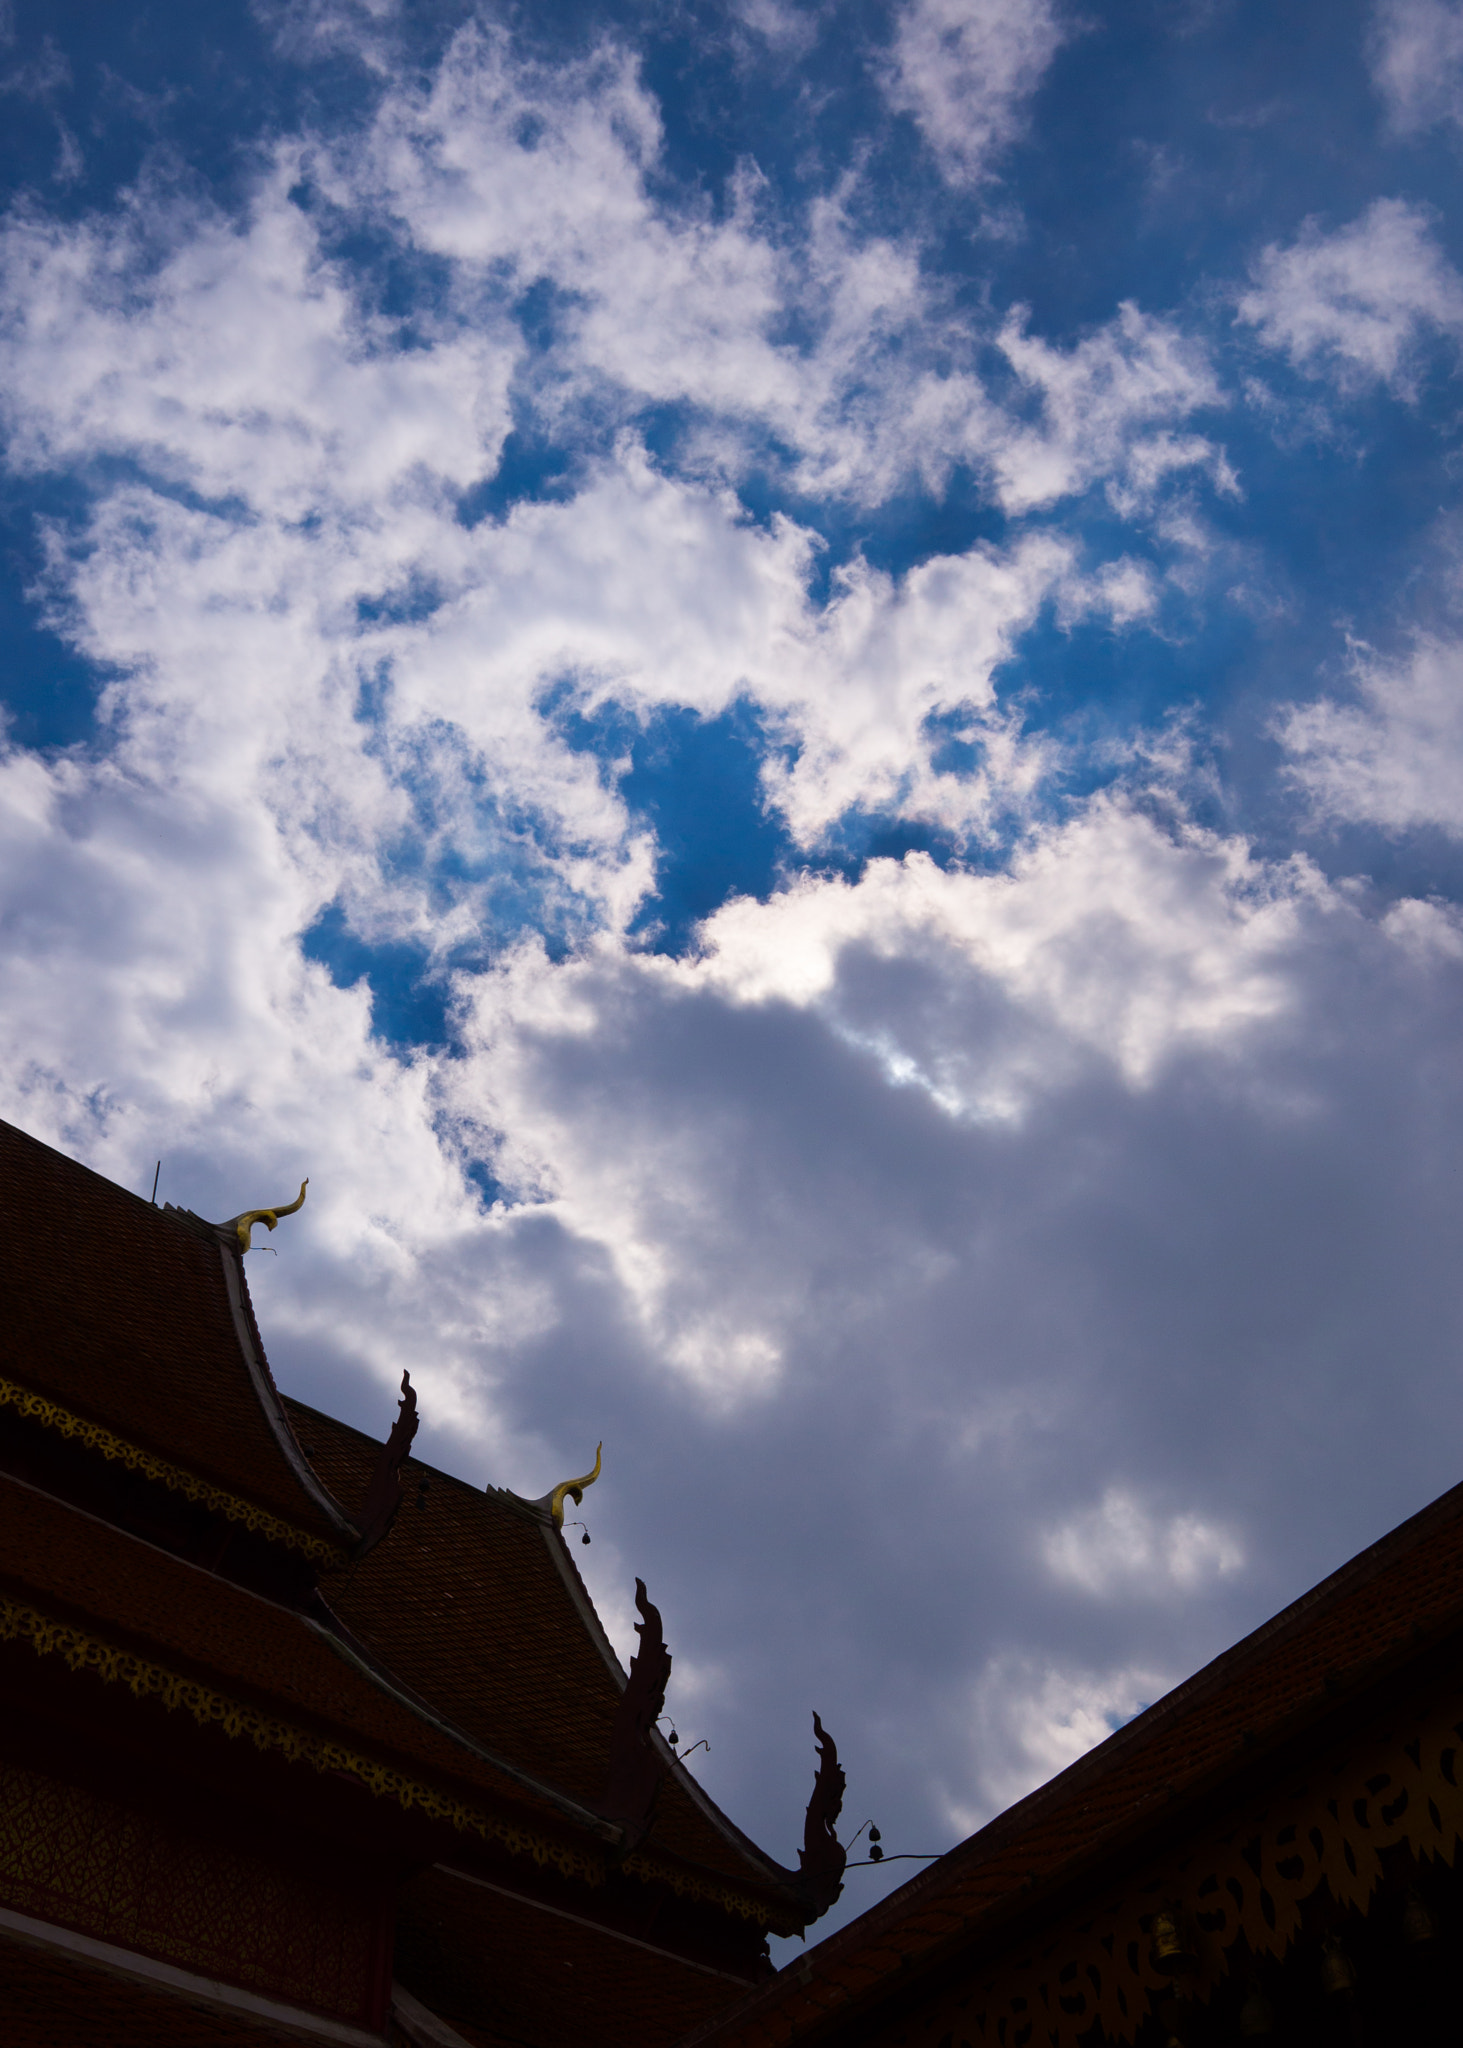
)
(771, 782)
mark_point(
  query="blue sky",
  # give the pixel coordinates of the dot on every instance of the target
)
(780, 685)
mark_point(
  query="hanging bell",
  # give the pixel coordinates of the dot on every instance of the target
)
(876, 1854)
(673, 1738)
(874, 1835)
(1173, 1954)
(1418, 1924)
(1336, 1971)
(585, 1537)
(1256, 2015)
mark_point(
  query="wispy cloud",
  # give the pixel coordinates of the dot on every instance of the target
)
(1353, 305)
(966, 70)
(1417, 61)
(1393, 754)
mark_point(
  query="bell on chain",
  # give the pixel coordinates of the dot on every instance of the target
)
(1336, 1971)
(1417, 1922)
(1256, 2015)
(1173, 1954)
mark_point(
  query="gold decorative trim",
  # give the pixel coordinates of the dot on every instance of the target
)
(1248, 1878)
(145, 1680)
(243, 1226)
(651, 1869)
(574, 1488)
(116, 1449)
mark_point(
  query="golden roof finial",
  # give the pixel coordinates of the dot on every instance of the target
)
(574, 1489)
(243, 1225)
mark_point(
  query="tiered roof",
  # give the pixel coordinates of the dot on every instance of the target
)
(125, 1316)
(173, 1530)
(476, 1602)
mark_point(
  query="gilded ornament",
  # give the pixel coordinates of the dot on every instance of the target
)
(242, 1226)
(573, 1489)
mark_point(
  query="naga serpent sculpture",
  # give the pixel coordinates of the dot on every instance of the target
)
(573, 1489)
(243, 1225)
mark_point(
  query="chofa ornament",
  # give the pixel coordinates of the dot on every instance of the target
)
(242, 1226)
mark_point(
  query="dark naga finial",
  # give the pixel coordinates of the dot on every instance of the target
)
(635, 1767)
(822, 1856)
(383, 1495)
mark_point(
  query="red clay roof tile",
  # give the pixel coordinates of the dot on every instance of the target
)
(476, 1604)
(69, 1564)
(120, 1313)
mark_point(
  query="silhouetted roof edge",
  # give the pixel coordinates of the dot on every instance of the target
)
(772, 1873)
(925, 1888)
(763, 1870)
(262, 1379)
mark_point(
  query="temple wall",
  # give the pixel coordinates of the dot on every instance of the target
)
(296, 1926)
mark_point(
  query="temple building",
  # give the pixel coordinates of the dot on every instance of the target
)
(300, 1739)
(1266, 1857)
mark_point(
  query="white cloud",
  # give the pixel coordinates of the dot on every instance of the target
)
(1394, 755)
(1353, 305)
(1417, 61)
(521, 175)
(1099, 402)
(1120, 937)
(1109, 948)
(1121, 1548)
(329, 459)
(966, 70)
(1123, 591)
(1030, 1719)
(913, 1203)
(241, 365)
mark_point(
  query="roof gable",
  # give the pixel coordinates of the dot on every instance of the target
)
(137, 1320)
(475, 1603)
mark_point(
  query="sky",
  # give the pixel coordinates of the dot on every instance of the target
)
(781, 685)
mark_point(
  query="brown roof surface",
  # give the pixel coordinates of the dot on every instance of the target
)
(62, 1560)
(1390, 1603)
(506, 1973)
(466, 1602)
(51, 2001)
(120, 1313)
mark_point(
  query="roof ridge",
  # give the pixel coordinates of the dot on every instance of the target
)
(771, 1872)
(139, 1317)
(251, 1345)
(763, 1870)
(928, 1888)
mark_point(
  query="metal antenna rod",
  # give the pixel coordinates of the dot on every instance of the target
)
(154, 1183)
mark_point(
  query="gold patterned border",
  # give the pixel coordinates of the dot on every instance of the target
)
(685, 1883)
(1248, 1877)
(116, 1449)
(145, 1680)
(85, 1652)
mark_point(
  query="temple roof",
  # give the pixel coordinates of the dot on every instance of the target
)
(513, 1977)
(476, 1603)
(120, 1592)
(462, 1650)
(135, 1319)
(1390, 1607)
(52, 2001)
